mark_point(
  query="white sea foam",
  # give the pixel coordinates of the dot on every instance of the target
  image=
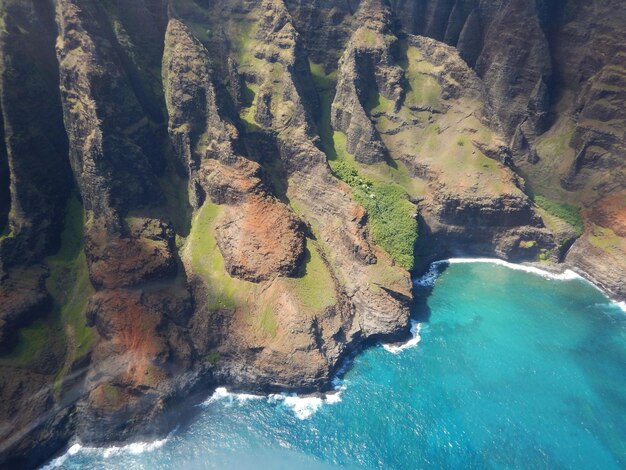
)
(134, 448)
(303, 406)
(566, 275)
(334, 397)
(415, 339)
(221, 393)
(429, 278)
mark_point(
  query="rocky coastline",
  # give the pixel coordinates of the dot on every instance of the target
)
(236, 193)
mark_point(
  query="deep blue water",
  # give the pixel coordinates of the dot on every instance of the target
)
(513, 370)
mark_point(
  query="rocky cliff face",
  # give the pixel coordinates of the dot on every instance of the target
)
(234, 192)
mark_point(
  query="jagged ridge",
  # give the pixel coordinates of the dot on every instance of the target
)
(231, 192)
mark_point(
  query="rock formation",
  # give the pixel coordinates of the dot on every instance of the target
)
(233, 192)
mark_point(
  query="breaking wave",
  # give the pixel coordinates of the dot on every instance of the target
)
(415, 339)
(134, 448)
(566, 275)
(302, 406)
(436, 268)
(221, 393)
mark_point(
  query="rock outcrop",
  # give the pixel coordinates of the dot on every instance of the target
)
(366, 68)
(233, 192)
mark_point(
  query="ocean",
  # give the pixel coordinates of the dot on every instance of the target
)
(508, 367)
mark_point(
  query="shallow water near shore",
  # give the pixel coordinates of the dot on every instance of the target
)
(507, 368)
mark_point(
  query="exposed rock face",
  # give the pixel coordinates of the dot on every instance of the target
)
(368, 59)
(113, 169)
(600, 264)
(196, 193)
(34, 173)
(132, 262)
(288, 335)
(261, 239)
(39, 177)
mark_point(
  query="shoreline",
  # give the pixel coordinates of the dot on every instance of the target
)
(559, 272)
(304, 405)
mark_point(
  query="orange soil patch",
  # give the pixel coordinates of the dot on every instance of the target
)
(260, 238)
(610, 212)
(133, 341)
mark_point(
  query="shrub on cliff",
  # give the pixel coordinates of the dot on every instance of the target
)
(390, 214)
(566, 212)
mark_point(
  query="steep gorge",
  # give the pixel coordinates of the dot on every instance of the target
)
(235, 192)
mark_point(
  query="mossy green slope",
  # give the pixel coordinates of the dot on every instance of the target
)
(391, 216)
(65, 330)
(69, 282)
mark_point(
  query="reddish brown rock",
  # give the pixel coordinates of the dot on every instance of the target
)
(260, 239)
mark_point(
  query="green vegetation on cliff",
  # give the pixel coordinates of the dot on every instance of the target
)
(31, 341)
(213, 357)
(314, 288)
(391, 216)
(267, 323)
(69, 278)
(422, 87)
(70, 287)
(606, 239)
(259, 304)
(207, 261)
(566, 212)
(43, 343)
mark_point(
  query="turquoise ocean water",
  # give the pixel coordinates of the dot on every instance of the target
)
(508, 369)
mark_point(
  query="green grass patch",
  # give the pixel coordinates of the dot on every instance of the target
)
(244, 32)
(69, 282)
(267, 322)
(176, 208)
(7, 233)
(32, 339)
(555, 158)
(248, 111)
(367, 37)
(423, 89)
(248, 118)
(377, 103)
(325, 84)
(46, 340)
(314, 288)
(543, 256)
(390, 214)
(566, 212)
(111, 393)
(323, 80)
(213, 357)
(39, 346)
(195, 17)
(207, 261)
(555, 143)
(605, 239)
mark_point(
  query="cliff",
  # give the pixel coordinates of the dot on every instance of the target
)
(233, 192)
